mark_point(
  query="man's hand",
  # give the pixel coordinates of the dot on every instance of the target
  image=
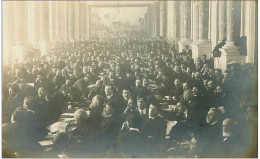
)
(125, 126)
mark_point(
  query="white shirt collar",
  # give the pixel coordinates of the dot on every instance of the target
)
(214, 123)
(151, 117)
(108, 116)
(134, 129)
(143, 111)
(108, 97)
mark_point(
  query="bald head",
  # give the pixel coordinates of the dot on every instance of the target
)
(229, 127)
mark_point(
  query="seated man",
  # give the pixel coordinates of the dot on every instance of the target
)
(130, 142)
(97, 90)
(233, 143)
(80, 135)
(211, 137)
(130, 109)
(180, 129)
(110, 127)
(18, 139)
(81, 132)
(126, 94)
(177, 89)
(15, 100)
(142, 108)
(112, 98)
(140, 90)
(154, 130)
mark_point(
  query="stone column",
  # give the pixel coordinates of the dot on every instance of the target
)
(57, 21)
(174, 21)
(221, 20)
(21, 19)
(71, 20)
(229, 52)
(77, 20)
(8, 35)
(20, 29)
(195, 22)
(153, 20)
(34, 23)
(214, 23)
(169, 31)
(185, 10)
(148, 24)
(44, 27)
(44, 21)
(87, 27)
(250, 30)
(157, 18)
(202, 25)
(60, 20)
(82, 20)
(195, 25)
(163, 20)
(230, 23)
(52, 20)
(202, 46)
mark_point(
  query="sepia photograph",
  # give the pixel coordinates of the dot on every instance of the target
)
(130, 79)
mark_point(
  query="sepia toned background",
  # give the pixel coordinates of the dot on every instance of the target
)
(201, 24)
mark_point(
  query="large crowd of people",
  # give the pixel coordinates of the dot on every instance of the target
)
(137, 97)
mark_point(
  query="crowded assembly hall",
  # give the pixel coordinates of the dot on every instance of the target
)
(129, 79)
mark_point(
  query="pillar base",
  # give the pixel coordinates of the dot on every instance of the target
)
(183, 42)
(200, 48)
(229, 53)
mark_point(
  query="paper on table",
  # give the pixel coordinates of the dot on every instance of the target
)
(67, 115)
(45, 143)
(170, 124)
(31, 84)
(59, 126)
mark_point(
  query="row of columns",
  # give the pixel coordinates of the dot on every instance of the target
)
(41, 23)
(204, 24)
(200, 43)
(199, 24)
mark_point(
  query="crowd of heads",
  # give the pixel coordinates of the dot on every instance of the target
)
(138, 85)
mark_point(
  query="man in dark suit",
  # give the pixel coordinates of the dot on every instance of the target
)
(81, 86)
(14, 100)
(42, 81)
(233, 142)
(211, 135)
(142, 108)
(196, 111)
(58, 80)
(180, 129)
(187, 50)
(154, 130)
(111, 96)
(19, 137)
(130, 142)
(204, 59)
(126, 95)
(138, 88)
(27, 90)
(95, 115)
(97, 90)
(177, 89)
(197, 81)
(110, 127)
